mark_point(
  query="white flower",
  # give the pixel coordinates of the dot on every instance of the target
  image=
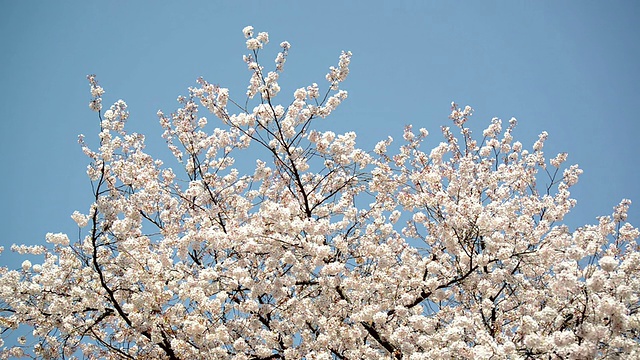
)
(26, 265)
(608, 263)
(263, 37)
(558, 160)
(537, 146)
(248, 31)
(253, 44)
(96, 104)
(97, 91)
(80, 219)
(300, 94)
(379, 317)
(57, 239)
(313, 91)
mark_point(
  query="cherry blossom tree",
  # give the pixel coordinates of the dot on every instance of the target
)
(323, 250)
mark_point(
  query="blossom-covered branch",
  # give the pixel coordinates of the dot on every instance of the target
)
(322, 250)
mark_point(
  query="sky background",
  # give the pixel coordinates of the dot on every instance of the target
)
(570, 68)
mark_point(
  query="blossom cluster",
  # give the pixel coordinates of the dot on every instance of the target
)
(323, 250)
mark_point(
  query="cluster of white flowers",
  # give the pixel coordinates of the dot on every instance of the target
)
(459, 116)
(255, 43)
(323, 250)
(282, 56)
(96, 93)
(336, 75)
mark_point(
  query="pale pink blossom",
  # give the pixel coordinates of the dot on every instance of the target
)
(57, 239)
(269, 236)
(26, 265)
(80, 219)
(248, 31)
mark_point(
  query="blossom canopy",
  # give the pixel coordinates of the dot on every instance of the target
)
(322, 250)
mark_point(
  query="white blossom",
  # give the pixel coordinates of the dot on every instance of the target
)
(26, 265)
(608, 263)
(57, 239)
(254, 44)
(80, 219)
(248, 31)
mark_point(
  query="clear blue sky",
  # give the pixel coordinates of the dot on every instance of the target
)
(570, 68)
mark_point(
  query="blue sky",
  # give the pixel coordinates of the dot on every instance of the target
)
(570, 68)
